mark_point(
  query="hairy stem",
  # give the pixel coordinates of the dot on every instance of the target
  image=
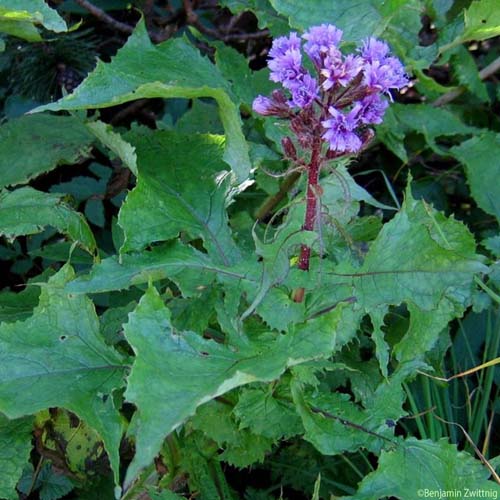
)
(311, 209)
(311, 201)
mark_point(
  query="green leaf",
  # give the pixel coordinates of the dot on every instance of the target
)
(19, 18)
(60, 347)
(246, 84)
(334, 424)
(27, 211)
(358, 19)
(267, 16)
(171, 69)
(264, 414)
(184, 265)
(115, 142)
(466, 72)
(191, 370)
(33, 145)
(415, 469)
(51, 484)
(420, 258)
(183, 185)
(403, 32)
(241, 447)
(424, 119)
(480, 155)
(201, 118)
(15, 449)
(482, 20)
(19, 306)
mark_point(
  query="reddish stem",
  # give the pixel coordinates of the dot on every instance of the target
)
(313, 191)
(312, 200)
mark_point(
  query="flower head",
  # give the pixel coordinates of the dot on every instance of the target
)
(374, 50)
(385, 75)
(371, 109)
(263, 105)
(337, 102)
(286, 68)
(340, 131)
(381, 72)
(305, 91)
(340, 70)
(319, 41)
(283, 44)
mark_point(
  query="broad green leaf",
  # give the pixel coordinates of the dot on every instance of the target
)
(482, 20)
(190, 370)
(424, 329)
(466, 72)
(416, 469)
(424, 119)
(184, 265)
(421, 258)
(403, 32)
(33, 145)
(114, 142)
(246, 84)
(480, 157)
(171, 69)
(358, 19)
(15, 449)
(334, 424)
(20, 18)
(241, 447)
(27, 211)
(18, 306)
(418, 257)
(264, 414)
(201, 118)
(267, 16)
(183, 186)
(60, 347)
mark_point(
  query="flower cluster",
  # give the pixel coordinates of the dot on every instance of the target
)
(346, 93)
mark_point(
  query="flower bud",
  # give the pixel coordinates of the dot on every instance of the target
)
(289, 148)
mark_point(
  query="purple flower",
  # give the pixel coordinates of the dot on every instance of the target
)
(320, 39)
(286, 68)
(305, 91)
(283, 44)
(374, 50)
(385, 75)
(339, 131)
(277, 105)
(340, 70)
(371, 109)
(263, 105)
(381, 72)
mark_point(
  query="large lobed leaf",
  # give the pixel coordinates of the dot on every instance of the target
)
(420, 469)
(28, 211)
(174, 373)
(480, 157)
(20, 18)
(57, 358)
(358, 19)
(33, 145)
(183, 185)
(171, 69)
(420, 258)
